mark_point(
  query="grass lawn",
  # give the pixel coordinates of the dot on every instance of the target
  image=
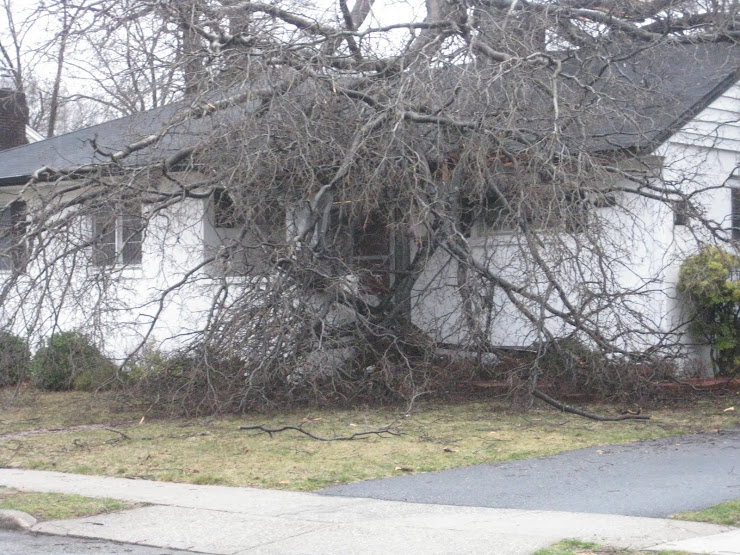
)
(56, 506)
(576, 547)
(727, 514)
(79, 433)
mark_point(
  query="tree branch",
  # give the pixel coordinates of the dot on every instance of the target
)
(567, 408)
(359, 435)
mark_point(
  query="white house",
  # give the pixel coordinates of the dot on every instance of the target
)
(166, 269)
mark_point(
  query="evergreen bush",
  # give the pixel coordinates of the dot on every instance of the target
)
(14, 358)
(69, 360)
(707, 280)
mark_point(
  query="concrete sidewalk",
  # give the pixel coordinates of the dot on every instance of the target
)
(225, 520)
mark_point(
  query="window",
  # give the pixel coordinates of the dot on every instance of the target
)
(364, 241)
(12, 231)
(243, 232)
(225, 213)
(488, 214)
(538, 210)
(117, 235)
(680, 212)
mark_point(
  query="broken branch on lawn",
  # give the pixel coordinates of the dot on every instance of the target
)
(573, 410)
(359, 435)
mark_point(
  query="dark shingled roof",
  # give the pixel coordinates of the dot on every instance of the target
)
(78, 148)
(660, 89)
(75, 149)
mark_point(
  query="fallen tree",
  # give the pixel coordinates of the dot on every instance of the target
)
(361, 177)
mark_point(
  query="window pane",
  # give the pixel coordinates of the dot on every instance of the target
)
(131, 238)
(117, 235)
(680, 212)
(131, 253)
(104, 238)
(224, 210)
(371, 236)
(338, 238)
(575, 212)
(362, 246)
(371, 252)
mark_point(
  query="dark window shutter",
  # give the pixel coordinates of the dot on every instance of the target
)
(735, 195)
(6, 240)
(13, 251)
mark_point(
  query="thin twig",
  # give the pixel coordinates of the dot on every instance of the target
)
(124, 436)
(19, 446)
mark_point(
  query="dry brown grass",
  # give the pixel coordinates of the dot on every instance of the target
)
(76, 432)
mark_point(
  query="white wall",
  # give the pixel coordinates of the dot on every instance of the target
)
(621, 237)
(701, 158)
(121, 308)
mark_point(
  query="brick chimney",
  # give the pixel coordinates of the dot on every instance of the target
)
(13, 119)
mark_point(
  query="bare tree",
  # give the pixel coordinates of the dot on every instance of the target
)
(375, 194)
(91, 61)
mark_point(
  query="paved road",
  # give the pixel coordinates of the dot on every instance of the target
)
(25, 543)
(653, 479)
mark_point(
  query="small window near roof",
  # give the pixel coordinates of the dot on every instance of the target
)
(680, 212)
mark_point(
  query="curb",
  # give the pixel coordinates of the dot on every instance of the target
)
(16, 520)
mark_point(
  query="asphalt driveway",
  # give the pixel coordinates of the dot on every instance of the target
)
(654, 478)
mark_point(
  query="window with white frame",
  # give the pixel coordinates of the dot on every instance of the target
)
(12, 232)
(118, 233)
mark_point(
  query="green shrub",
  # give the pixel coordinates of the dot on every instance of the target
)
(706, 282)
(69, 360)
(14, 358)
